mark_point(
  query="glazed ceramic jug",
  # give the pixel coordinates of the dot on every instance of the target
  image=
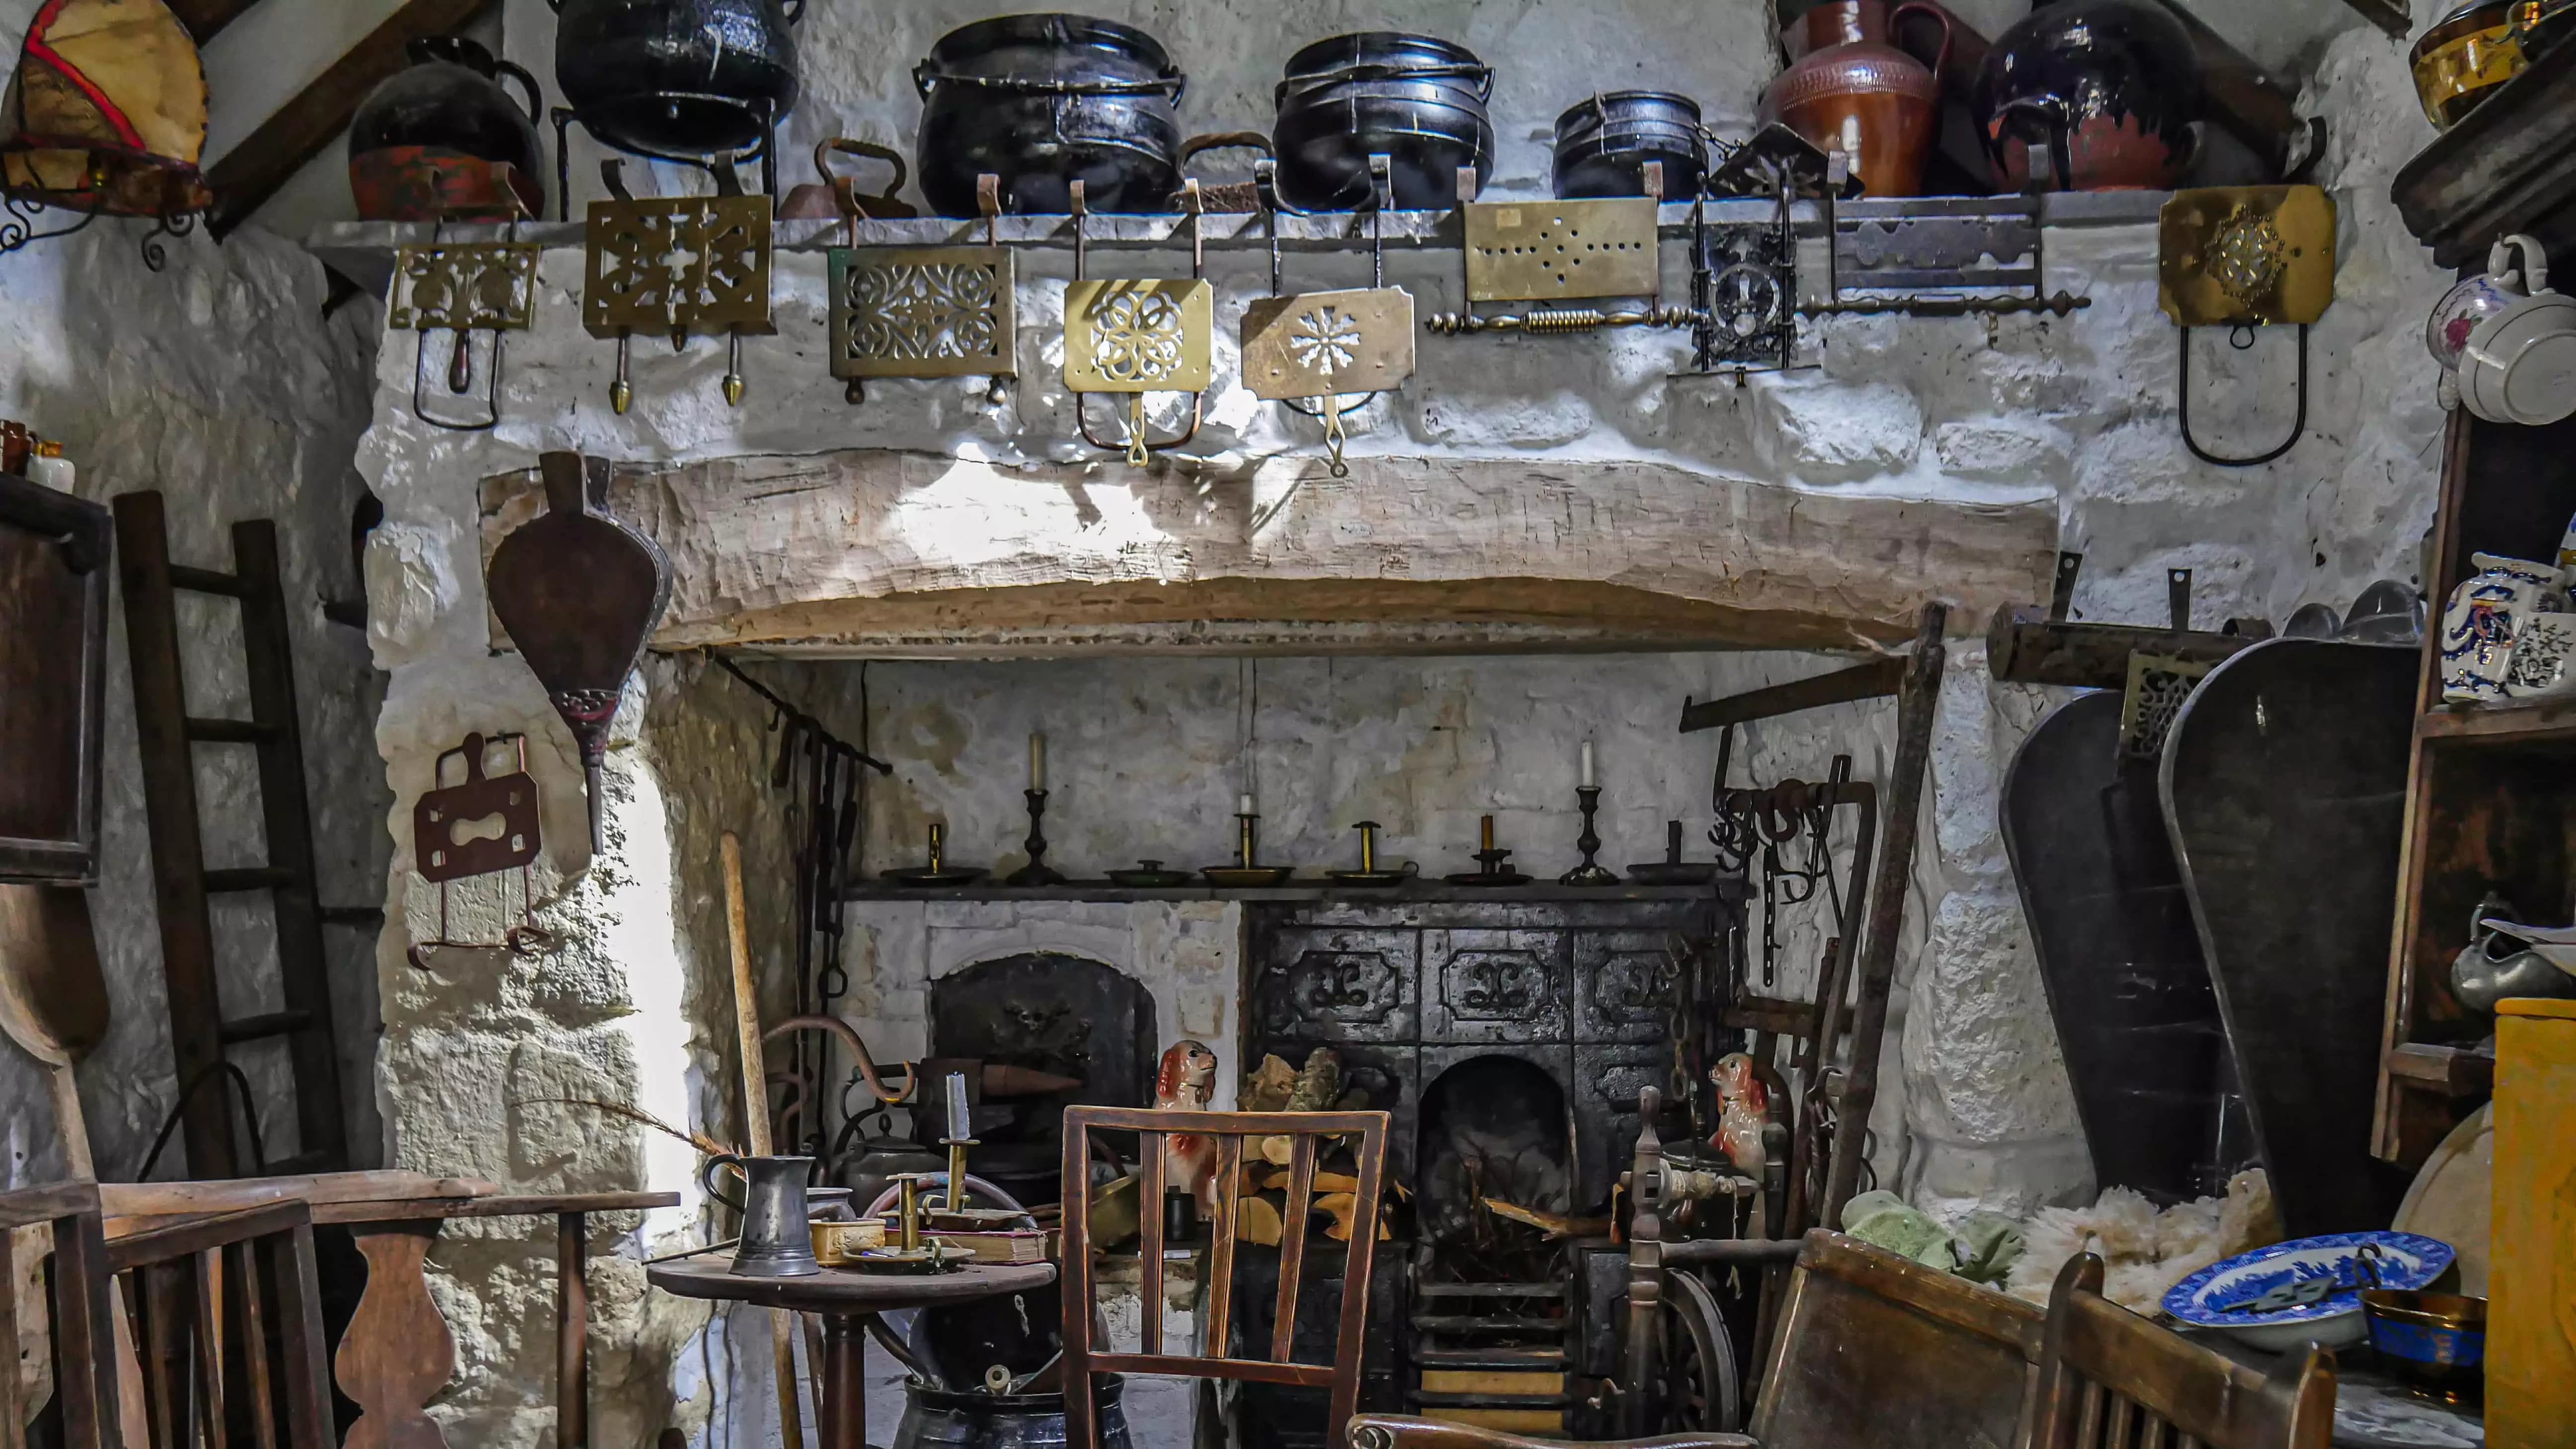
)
(1848, 88)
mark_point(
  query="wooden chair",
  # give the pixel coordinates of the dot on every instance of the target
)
(1306, 1131)
(2111, 1378)
(197, 1385)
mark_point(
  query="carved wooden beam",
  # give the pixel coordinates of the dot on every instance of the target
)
(204, 17)
(250, 173)
(2388, 15)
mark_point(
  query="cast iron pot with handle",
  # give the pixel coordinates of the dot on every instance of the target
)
(1042, 101)
(1604, 141)
(442, 139)
(1417, 100)
(677, 78)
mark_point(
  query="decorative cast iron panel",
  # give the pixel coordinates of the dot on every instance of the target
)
(1496, 986)
(923, 312)
(687, 264)
(1336, 986)
(486, 285)
(1624, 983)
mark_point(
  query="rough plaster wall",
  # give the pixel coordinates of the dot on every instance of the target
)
(220, 383)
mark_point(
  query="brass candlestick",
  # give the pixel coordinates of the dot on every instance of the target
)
(1037, 872)
(1245, 872)
(957, 1171)
(910, 1213)
(1492, 871)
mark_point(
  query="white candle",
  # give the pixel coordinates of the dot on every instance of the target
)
(1587, 764)
(960, 1126)
(1244, 805)
(1037, 761)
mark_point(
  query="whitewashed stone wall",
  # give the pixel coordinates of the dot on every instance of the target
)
(2079, 411)
(221, 383)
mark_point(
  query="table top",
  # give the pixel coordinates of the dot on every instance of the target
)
(839, 1291)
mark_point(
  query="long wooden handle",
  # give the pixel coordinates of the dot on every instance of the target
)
(755, 1110)
(67, 1115)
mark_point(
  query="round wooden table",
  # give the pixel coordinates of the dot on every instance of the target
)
(845, 1301)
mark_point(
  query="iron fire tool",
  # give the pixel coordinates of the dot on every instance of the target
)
(922, 311)
(579, 592)
(1491, 868)
(1557, 251)
(1311, 350)
(477, 826)
(2242, 257)
(681, 265)
(463, 287)
(1139, 335)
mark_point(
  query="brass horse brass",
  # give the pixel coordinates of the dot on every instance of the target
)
(1541, 251)
(1318, 344)
(690, 264)
(923, 312)
(464, 285)
(1139, 335)
(2231, 255)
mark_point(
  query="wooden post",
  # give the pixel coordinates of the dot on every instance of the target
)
(755, 1108)
(572, 1331)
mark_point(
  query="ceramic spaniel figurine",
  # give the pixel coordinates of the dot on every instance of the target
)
(1743, 1106)
(1187, 1077)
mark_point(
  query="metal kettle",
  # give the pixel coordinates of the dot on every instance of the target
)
(677, 77)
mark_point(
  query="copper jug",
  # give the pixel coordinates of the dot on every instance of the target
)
(1848, 88)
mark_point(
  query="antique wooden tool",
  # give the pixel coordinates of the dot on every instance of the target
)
(579, 593)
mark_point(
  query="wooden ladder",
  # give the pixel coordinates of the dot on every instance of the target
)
(199, 1029)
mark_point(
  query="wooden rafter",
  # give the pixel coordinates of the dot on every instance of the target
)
(2388, 15)
(250, 173)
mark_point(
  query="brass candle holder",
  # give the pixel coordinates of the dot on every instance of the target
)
(938, 872)
(1244, 872)
(1368, 874)
(1493, 869)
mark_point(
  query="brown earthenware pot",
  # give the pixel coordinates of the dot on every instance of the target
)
(1849, 88)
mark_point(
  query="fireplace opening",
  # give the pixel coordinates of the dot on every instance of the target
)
(1496, 1134)
(1055, 1012)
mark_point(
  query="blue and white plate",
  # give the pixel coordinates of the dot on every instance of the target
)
(2212, 1297)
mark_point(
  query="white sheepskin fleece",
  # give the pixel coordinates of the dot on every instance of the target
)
(2145, 1252)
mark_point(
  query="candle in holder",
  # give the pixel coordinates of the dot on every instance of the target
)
(1037, 761)
(1244, 805)
(959, 1128)
(1587, 764)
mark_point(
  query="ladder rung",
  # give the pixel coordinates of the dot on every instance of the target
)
(263, 1026)
(249, 878)
(1490, 1290)
(1492, 1360)
(1485, 1401)
(205, 581)
(303, 1162)
(230, 731)
(362, 916)
(1468, 1323)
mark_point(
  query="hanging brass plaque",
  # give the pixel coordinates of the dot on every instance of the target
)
(1534, 251)
(1317, 344)
(678, 265)
(923, 312)
(2234, 255)
(486, 285)
(1139, 335)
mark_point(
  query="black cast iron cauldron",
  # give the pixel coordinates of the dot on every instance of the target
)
(1603, 143)
(2106, 93)
(1041, 101)
(677, 77)
(949, 1419)
(442, 140)
(1417, 100)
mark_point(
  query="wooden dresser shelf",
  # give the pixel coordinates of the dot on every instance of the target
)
(2546, 723)
(2451, 1071)
(2509, 166)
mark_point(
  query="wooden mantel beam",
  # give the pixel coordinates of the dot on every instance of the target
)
(204, 17)
(2388, 15)
(250, 173)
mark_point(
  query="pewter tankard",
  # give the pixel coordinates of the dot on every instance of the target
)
(777, 1240)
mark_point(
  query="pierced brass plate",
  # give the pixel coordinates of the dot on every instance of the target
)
(2227, 255)
(1540, 251)
(1139, 335)
(1316, 344)
(923, 312)
(678, 265)
(487, 285)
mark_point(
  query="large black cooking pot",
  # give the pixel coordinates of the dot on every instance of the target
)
(950, 1419)
(1417, 100)
(1041, 101)
(677, 77)
(1603, 143)
(441, 140)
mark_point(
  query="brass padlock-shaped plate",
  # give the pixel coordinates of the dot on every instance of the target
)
(1538, 251)
(678, 265)
(2234, 255)
(923, 312)
(1318, 344)
(464, 285)
(1152, 334)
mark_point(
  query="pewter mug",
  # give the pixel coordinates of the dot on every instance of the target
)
(777, 1241)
